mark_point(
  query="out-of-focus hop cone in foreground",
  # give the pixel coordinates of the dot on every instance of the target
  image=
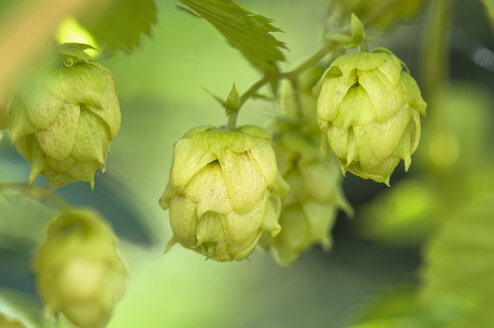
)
(224, 191)
(79, 272)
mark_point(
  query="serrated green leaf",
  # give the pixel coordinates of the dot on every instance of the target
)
(120, 27)
(460, 263)
(489, 8)
(245, 31)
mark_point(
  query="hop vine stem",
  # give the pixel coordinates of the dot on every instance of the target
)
(291, 75)
(38, 193)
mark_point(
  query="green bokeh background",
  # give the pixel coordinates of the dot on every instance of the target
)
(161, 92)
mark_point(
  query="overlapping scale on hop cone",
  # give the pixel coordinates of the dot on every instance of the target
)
(313, 200)
(79, 272)
(369, 110)
(224, 191)
(63, 121)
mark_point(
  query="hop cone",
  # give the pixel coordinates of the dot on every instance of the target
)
(312, 202)
(78, 270)
(63, 121)
(224, 191)
(369, 111)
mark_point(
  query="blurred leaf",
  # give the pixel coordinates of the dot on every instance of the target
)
(489, 8)
(15, 256)
(120, 206)
(401, 216)
(381, 14)
(4, 121)
(455, 139)
(120, 27)
(20, 306)
(459, 262)
(114, 200)
(245, 31)
(403, 308)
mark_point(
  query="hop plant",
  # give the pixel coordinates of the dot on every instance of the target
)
(6, 322)
(78, 270)
(224, 191)
(312, 202)
(369, 111)
(63, 121)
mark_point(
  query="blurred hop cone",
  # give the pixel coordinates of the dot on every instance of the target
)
(301, 105)
(64, 119)
(224, 191)
(6, 322)
(312, 202)
(78, 270)
(369, 111)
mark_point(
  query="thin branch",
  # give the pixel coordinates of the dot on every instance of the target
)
(36, 192)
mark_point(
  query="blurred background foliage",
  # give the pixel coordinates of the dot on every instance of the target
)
(440, 202)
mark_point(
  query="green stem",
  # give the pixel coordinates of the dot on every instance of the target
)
(314, 59)
(253, 90)
(38, 193)
(311, 61)
(296, 93)
(362, 47)
(232, 121)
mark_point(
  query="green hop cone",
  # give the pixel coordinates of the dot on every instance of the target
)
(369, 111)
(78, 269)
(224, 191)
(63, 121)
(312, 202)
(6, 322)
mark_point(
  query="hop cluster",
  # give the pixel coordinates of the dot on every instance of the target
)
(224, 191)
(311, 204)
(78, 270)
(63, 121)
(369, 111)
